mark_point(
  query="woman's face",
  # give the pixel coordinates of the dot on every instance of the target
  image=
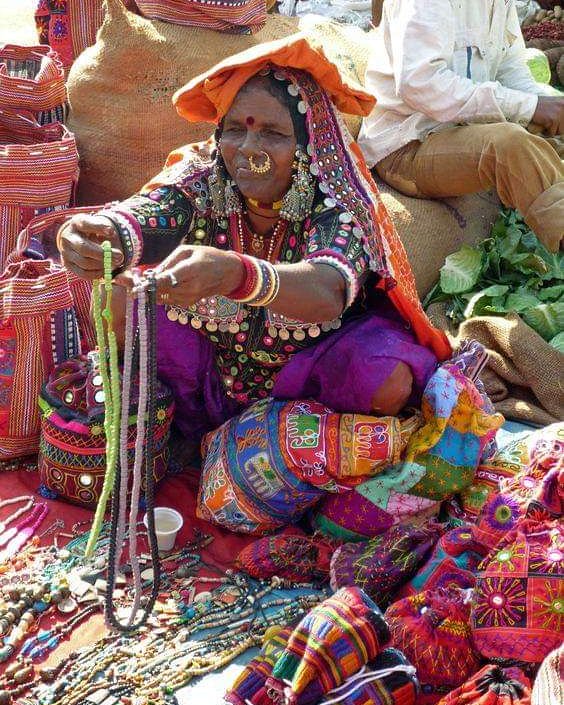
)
(257, 125)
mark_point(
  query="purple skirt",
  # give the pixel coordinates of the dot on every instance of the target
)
(342, 371)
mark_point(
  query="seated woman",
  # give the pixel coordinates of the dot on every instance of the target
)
(278, 269)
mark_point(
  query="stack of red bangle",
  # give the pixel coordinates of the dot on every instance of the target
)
(250, 280)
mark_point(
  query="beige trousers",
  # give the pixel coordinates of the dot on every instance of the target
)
(525, 170)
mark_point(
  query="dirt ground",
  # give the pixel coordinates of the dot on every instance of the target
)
(16, 22)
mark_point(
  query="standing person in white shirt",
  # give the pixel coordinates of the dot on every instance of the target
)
(454, 97)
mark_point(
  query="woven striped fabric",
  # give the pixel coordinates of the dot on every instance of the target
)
(85, 17)
(232, 16)
(30, 293)
(35, 177)
(32, 78)
(330, 644)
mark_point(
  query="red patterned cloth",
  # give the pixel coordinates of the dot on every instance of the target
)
(518, 602)
(69, 26)
(290, 554)
(492, 685)
(432, 629)
(231, 16)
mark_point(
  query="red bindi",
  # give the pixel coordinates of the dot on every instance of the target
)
(250, 120)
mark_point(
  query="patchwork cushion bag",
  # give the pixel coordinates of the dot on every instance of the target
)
(264, 468)
(457, 429)
(72, 450)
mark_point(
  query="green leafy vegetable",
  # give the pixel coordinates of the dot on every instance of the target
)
(558, 342)
(546, 319)
(508, 272)
(461, 270)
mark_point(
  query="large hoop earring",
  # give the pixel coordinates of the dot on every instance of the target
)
(298, 201)
(263, 168)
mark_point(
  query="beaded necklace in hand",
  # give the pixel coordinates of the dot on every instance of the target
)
(116, 480)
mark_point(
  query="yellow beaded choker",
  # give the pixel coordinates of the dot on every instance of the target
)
(276, 206)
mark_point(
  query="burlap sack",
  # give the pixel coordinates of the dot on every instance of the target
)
(120, 93)
(432, 229)
(524, 376)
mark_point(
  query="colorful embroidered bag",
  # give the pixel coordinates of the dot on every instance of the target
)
(452, 563)
(492, 685)
(389, 679)
(32, 79)
(433, 631)
(38, 173)
(44, 319)
(457, 427)
(536, 491)
(518, 602)
(383, 564)
(507, 462)
(331, 643)
(72, 450)
(265, 468)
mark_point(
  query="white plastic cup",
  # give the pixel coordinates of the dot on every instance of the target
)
(168, 523)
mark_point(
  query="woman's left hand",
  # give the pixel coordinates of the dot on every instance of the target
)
(191, 273)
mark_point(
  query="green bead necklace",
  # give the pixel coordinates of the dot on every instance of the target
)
(109, 370)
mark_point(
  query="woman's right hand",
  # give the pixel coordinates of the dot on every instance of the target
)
(80, 244)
